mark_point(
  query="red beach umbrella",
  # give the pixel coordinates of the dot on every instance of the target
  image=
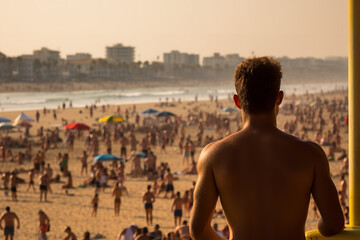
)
(78, 126)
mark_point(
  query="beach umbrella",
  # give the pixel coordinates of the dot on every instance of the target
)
(149, 111)
(229, 110)
(23, 124)
(165, 114)
(78, 126)
(111, 118)
(6, 126)
(106, 158)
(4, 119)
(23, 117)
(141, 154)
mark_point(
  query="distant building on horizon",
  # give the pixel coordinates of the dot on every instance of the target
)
(177, 59)
(218, 61)
(78, 56)
(46, 55)
(26, 68)
(119, 53)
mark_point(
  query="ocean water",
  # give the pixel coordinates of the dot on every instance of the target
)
(39, 100)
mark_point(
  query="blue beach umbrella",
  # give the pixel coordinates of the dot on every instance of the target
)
(106, 158)
(141, 154)
(165, 114)
(229, 110)
(4, 119)
(6, 126)
(149, 111)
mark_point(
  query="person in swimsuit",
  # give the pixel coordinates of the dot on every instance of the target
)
(168, 180)
(148, 199)
(13, 182)
(95, 203)
(31, 180)
(44, 183)
(44, 225)
(9, 218)
(178, 206)
(117, 192)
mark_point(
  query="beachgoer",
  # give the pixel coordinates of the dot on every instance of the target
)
(169, 183)
(277, 171)
(156, 234)
(70, 235)
(148, 199)
(44, 186)
(13, 183)
(117, 193)
(9, 218)
(182, 231)
(128, 233)
(95, 203)
(44, 225)
(144, 235)
(31, 180)
(178, 205)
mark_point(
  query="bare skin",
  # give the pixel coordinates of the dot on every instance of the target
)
(277, 180)
(177, 205)
(148, 198)
(169, 179)
(95, 203)
(183, 232)
(70, 236)
(9, 219)
(117, 193)
(44, 223)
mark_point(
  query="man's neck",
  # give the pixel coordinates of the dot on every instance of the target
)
(259, 121)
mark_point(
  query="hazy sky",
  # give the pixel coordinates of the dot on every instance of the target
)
(291, 28)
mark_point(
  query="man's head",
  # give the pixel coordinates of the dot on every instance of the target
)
(7, 209)
(257, 83)
(148, 187)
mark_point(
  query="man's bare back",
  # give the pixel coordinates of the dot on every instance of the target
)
(264, 178)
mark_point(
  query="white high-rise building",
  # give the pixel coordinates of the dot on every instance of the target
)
(120, 53)
(176, 58)
(45, 55)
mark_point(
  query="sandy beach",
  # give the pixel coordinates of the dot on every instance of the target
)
(74, 208)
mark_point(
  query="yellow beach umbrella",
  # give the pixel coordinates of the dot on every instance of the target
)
(111, 118)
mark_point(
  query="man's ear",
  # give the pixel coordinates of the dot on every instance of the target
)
(237, 101)
(279, 98)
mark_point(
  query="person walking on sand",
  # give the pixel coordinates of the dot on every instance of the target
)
(117, 193)
(148, 199)
(277, 171)
(44, 225)
(13, 183)
(31, 180)
(178, 205)
(95, 203)
(44, 186)
(169, 183)
(9, 218)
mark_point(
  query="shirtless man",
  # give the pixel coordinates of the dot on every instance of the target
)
(13, 183)
(9, 219)
(44, 225)
(123, 142)
(276, 170)
(182, 231)
(178, 205)
(148, 199)
(169, 183)
(70, 234)
(117, 193)
(44, 186)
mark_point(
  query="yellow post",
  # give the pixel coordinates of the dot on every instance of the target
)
(353, 230)
(354, 112)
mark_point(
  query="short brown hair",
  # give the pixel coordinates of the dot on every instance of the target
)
(257, 82)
